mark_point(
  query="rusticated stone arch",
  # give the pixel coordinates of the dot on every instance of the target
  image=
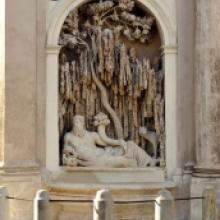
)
(166, 23)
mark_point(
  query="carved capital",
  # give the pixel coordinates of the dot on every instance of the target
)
(53, 49)
(168, 49)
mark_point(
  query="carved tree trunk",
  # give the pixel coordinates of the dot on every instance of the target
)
(109, 109)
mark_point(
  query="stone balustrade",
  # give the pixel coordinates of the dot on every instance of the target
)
(103, 205)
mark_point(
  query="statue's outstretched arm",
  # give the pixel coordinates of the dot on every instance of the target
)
(98, 140)
(106, 141)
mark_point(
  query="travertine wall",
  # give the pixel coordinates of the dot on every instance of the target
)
(185, 82)
(2, 75)
(185, 12)
(208, 85)
(25, 27)
(207, 169)
(23, 121)
(20, 86)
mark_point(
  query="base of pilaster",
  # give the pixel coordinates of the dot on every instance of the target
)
(18, 167)
(206, 170)
(198, 185)
(22, 187)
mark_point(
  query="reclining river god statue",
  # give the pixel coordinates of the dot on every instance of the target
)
(96, 149)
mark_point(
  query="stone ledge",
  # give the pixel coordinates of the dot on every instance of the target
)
(101, 169)
(109, 175)
(19, 167)
(128, 192)
(207, 170)
(52, 186)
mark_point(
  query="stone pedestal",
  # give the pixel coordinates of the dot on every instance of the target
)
(128, 192)
(197, 188)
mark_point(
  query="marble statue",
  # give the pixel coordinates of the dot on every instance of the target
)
(95, 149)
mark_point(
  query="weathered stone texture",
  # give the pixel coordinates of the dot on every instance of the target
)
(41, 83)
(207, 86)
(22, 119)
(186, 79)
(25, 91)
(2, 75)
(20, 81)
(197, 188)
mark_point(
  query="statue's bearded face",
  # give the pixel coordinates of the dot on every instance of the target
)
(78, 127)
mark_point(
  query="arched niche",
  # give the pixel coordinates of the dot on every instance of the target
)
(167, 30)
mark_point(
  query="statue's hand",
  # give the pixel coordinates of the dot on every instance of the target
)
(123, 144)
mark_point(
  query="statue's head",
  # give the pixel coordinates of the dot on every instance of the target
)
(101, 119)
(78, 125)
(78, 119)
